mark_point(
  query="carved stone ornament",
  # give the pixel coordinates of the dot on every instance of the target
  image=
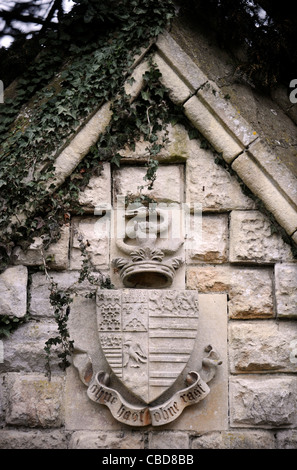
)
(147, 337)
(147, 242)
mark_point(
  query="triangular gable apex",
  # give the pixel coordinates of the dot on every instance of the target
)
(216, 119)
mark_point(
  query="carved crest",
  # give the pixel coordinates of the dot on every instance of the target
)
(147, 336)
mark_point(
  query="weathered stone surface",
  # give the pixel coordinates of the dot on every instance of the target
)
(13, 291)
(209, 184)
(212, 129)
(12, 439)
(168, 186)
(106, 440)
(95, 233)
(176, 57)
(263, 401)
(40, 290)
(287, 439)
(79, 146)
(212, 245)
(249, 289)
(215, 99)
(98, 190)
(81, 413)
(262, 346)
(33, 401)
(267, 191)
(175, 150)
(168, 440)
(24, 350)
(286, 290)
(56, 255)
(133, 89)
(235, 440)
(178, 92)
(252, 240)
(275, 168)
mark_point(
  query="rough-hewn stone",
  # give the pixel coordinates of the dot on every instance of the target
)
(263, 401)
(212, 245)
(56, 255)
(243, 439)
(168, 440)
(286, 290)
(40, 290)
(252, 239)
(24, 349)
(106, 440)
(34, 401)
(13, 291)
(98, 190)
(249, 289)
(287, 439)
(261, 346)
(12, 439)
(209, 184)
(94, 232)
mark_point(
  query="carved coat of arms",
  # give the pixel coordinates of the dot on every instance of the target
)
(147, 334)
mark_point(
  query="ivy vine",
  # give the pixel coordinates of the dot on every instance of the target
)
(69, 79)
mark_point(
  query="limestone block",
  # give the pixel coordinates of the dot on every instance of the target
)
(266, 190)
(98, 191)
(95, 232)
(79, 146)
(252, 240)
(168, 186)
(212, 245)
(275, 168)
(40, 290)
(24, 350)
(176, 57)
(33, 401)
(82, 414)
(13, 291)
(243, 439)
(178, 92)
(168, 440)
(249, 289)
(106, 440)
(262, 346)
(212, 129)
(287, 439)
(12, 439)
(176, 149)
(286, 290)
(57, 253)
(209, 184)
(215, 99)
(263, 401)
(133, 89)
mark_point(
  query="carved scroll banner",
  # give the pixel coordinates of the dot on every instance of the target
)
(159, 415)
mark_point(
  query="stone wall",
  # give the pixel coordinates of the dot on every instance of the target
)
(239, 258)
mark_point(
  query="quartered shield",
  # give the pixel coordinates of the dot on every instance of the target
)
(147, 336)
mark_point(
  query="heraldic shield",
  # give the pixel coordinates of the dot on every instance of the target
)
(147, 336)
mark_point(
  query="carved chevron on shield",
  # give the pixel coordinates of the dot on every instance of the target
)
(147, 336)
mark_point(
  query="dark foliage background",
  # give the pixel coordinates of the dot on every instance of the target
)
(269, 41)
